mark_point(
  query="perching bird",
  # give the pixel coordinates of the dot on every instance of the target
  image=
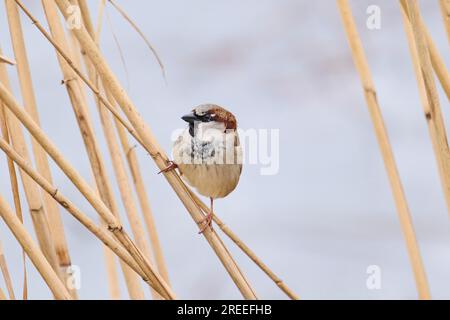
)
(208, 154)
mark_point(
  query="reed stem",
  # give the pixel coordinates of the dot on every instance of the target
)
(42, 165)
(370, 94)
(32, 193)
(79, 106)
(421, 54)
(113, 224)
(6, 275)
(445, 10)
(34, 253)
(130, 155)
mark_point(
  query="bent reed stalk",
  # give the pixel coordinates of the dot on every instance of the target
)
(113, 224)
(34, 253)
(70, 207)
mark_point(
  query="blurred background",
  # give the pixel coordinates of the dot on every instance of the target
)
(328, 213)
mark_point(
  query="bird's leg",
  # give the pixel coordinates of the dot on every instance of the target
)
(207, 221)
(171, 166)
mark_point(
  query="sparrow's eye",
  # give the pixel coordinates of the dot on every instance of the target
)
(208, 117)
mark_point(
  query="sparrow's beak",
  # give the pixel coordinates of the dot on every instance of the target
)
(190, 117)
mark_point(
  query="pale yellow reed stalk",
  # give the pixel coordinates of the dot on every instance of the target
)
(26, 85)
(130, 155)
(79, 104)
(32, 193)
(11, 168)
(34, 253)
(132, 282)
(117, 161)
(113, 276)
(421, 57)
(156, 152)
(101, 11)
(15, 191)
(2, 295)
(66, 56)
(436, 60)
(4, 59)
(445, 10)
(113, 224)
(230, 234)
(363, 69)
(132, 160)
(110, 263)
(123, 182)
(139, 186)
(6, 275)
(99, 232)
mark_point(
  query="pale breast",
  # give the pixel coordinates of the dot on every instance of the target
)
(212, 165)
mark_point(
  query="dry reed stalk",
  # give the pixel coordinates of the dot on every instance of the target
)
(99, 232)
(113, 276)
(144, 203)
(110, 262)
(113, 224)
(6, 275)
(132, 282)
(438, 64)
(84, 9)
(156, 152)
(386, 150)
(34, 253)
(421, 57)
(157, 251)
(117, 161)
(42, 165)
(445, 10)
(2, 295)
(134, 167)
(291, 294)
(79, 104)
(131, 157)
(436, 60)
(32, 192)
(64, 54)
(100, 14)
(15, 191)
(4, 59)
(123, 182)
(11, 168)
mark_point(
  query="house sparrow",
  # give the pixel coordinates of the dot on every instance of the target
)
(208, 154)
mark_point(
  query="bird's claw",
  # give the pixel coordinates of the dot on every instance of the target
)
(207, 222)
(171, 166)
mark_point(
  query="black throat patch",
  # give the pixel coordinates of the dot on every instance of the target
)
(191, 129)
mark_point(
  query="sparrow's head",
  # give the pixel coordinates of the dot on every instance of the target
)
(210, 116)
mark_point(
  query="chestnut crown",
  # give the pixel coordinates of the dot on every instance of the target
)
(211, 112)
